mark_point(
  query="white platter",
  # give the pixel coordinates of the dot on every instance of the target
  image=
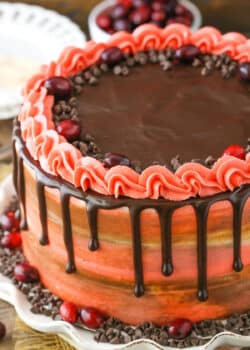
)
(83, 339)
(29, 36)
(79, 338)
(100, 35)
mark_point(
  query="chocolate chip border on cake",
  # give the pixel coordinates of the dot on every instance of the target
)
(113, 60)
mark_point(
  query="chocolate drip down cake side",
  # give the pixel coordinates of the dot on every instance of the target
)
(132, 170)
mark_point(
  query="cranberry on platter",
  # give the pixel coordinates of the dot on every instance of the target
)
(70, 129)
(68, 312)
(9, 222)
(127, 15)
(59, 87)
(112, 55)
(180, 328)
(12, 240)
(26, 273)
(235, 151)
(114, 159)
(92, 318)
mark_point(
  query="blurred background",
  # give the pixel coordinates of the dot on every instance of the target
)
(227, 15)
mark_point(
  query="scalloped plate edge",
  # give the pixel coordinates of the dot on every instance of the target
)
(83, 339)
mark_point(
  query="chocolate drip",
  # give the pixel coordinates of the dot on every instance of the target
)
(202, 209)
(164, 208)
(92, 212)
(44, 240)
(15, 170)
(137, 251)
(67, 229)
(238, 200)
(166, 241)
(21, 191)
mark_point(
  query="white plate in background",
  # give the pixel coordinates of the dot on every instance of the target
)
(29, 36)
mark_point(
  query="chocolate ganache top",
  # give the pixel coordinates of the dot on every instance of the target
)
(153, 115)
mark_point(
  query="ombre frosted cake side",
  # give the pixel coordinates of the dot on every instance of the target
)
(151, 244)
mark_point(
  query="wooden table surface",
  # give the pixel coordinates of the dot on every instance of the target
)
(227, 15)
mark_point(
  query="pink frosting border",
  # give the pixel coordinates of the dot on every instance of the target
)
(58, 157)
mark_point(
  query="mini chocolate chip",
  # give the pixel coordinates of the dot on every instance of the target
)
(205, 72)
(209, 65)
(130, 62)
(170, 53)
(104, 67)
(79, 80)
(161, 57)
(166, 65)
(78, 89)
(87, 75)
(96, 71)
(93, 81)
(117, 70)
(125, 71)
(196, 63)
(73, 102)
(153, 59)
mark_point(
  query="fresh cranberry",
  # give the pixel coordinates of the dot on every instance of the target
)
(139, 3)
(103, 21)
(187, 53)
(158, 16)
(113, 159)
(91, 318)
(58, 86)
(9, 222)
(119, 11)
(158, 6)
(127, 3)
(180, 10)
(140, 15)
(122, 24)
(111, 31)
(235, 151)
(170, 7)
(11, 240)
(68, 312)
(26, 273)
(180, 20)
(70, 129)
(112, 56)
(244, 71)
(180, 328)
(2, 331)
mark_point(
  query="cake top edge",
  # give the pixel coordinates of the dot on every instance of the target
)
(60, 158)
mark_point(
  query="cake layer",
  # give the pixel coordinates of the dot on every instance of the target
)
(109, 271)
(153, 115)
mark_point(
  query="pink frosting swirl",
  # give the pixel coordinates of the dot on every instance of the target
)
(60, 158)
